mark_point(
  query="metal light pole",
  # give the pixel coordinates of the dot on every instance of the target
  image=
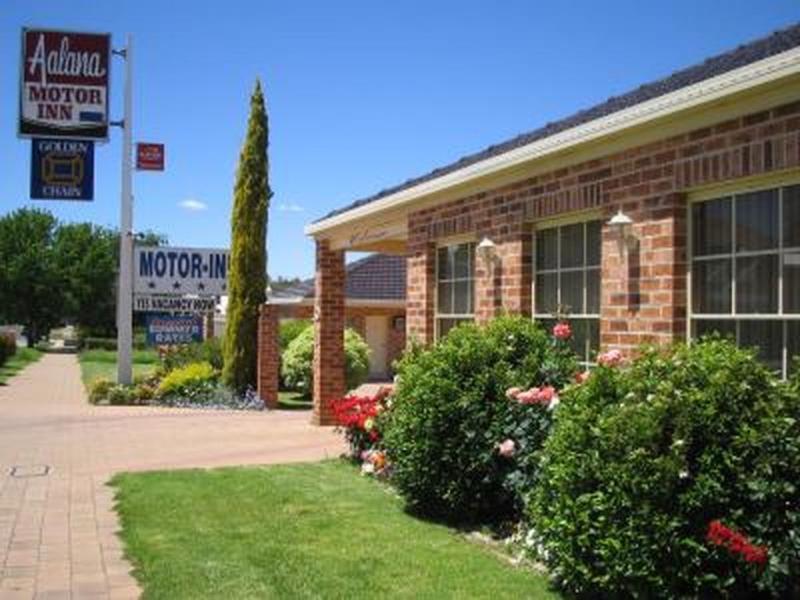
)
(125, 290)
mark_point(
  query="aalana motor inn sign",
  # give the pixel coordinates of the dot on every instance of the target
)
(64, 84)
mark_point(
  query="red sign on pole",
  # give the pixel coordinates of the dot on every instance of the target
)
(64, 84)
(149, 157)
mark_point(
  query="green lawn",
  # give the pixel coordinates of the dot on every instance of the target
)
(288, 400)
(96, 364)
(316, 530)
(15, 364)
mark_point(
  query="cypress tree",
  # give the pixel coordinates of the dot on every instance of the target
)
(247, 275)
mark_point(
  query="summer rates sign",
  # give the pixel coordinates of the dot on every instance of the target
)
(64, 84)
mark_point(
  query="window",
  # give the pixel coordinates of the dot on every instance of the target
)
(455, 286)
(567, 280)
(745, 279)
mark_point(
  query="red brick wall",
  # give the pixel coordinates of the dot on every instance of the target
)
(268, 355)
(644, 294)
(329, 317)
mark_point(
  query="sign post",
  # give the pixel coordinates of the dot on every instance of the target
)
(125, 293)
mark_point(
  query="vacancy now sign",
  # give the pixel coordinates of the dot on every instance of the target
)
(149, 157)
(64, 84)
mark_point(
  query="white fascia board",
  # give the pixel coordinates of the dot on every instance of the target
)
(738, 80)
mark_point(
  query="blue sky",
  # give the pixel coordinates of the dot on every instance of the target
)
(361, 95)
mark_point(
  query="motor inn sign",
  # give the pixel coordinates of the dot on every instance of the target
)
(180, 271)
(64, 84)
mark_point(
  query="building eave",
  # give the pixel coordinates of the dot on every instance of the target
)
(714, 89)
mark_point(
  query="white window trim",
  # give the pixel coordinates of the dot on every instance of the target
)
(437, 316)
(729, 190)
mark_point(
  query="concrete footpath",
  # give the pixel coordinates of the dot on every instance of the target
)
(58, 529)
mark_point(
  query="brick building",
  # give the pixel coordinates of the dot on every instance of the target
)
(374, 305)
(703, 165)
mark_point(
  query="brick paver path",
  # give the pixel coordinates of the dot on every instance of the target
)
(58, 530)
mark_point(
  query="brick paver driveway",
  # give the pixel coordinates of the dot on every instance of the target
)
(57, 524)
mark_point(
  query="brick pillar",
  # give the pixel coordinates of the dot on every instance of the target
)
(329, 317)
(420, 293)
(268, 355)
(644, 285)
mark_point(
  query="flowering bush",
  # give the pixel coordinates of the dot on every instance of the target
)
(654, 470)
(358, 417)
(461, 436)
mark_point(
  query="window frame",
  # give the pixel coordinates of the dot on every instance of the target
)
(471, 253)
(732, 192)
(586, 359)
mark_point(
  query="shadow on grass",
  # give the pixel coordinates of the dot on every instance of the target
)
(290, 400)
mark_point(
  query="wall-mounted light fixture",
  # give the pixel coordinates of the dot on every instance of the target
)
(486, 250)
(622, 226)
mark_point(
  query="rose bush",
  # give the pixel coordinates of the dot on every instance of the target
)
(674, 474)
(460, 440)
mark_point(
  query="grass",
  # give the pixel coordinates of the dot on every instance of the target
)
(96, 364)
(290, 400)
(21, 359)
(316, 530)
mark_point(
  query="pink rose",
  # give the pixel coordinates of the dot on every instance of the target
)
(545, 394)
(562, 331)
(528, 397)
(582, 377)
(612, 358)
(512, 393)
(506, 448)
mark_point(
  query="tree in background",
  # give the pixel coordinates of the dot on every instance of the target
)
(31, 290)
(247, 275)
(85, 257)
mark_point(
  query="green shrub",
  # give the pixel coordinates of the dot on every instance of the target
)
(297, 361)
(188, 381)
(122, 395)
(642, 459)
(289, 329)
(173, 357)
(99, 390)
(450, 411)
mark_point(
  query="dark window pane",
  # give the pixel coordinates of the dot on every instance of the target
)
(444, 266)
(725, 328)
(462, 261)
(547, 249)
(572, 291)
(444, 304)
(767, 336)
(572, 245)
(757, 221)
(579, 337)
(757, 284)
(593, 291)
(711, 286)
(711, 227)
(462, 304)
(594, 242)
(791, 282)
(545, 292)
(791, 217)
(793, 345)
(593, 331)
